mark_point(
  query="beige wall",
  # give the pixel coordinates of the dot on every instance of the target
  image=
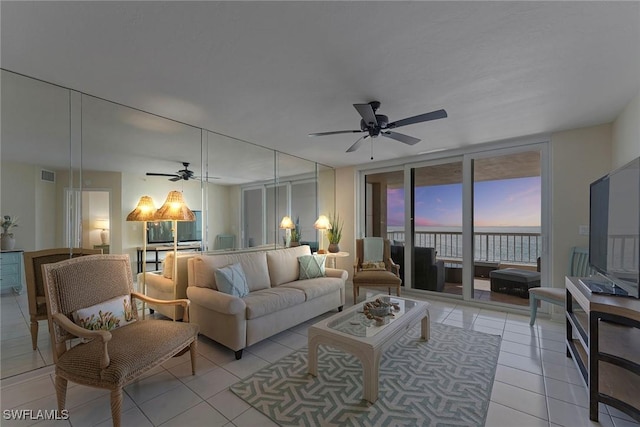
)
(578, 157)
(346, 207)
(17, 199)
(626, 134)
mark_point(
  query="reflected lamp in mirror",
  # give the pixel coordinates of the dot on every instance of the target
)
(103, 224)
(144, 211)
(322, 224)
(287, 225)
(174, 209)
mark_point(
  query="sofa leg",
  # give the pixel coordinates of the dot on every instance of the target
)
(340, 308)
(238, 354)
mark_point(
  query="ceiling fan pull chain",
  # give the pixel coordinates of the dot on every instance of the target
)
(371, 148)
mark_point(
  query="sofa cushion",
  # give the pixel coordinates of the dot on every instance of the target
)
(254, 265)
(231, 280)
(283, 264)
(314, 288)
(267, 301)
(311, 266)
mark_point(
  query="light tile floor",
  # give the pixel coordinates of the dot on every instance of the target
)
(535, 384)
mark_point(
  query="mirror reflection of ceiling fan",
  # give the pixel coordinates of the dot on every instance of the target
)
(378, 125)
(183, 174)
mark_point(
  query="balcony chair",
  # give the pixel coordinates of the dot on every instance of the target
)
(578, 267)
(374, 267)
(429, 273)
(33, 262)
(111, 358)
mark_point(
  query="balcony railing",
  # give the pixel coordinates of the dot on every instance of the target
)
(520, 248)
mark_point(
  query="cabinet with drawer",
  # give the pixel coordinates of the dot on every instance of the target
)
(11, 271)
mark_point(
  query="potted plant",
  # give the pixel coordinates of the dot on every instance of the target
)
(296, 234)
(8, 222)
(334, 234)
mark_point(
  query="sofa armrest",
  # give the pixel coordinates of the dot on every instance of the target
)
(215, 300)
(336, 272)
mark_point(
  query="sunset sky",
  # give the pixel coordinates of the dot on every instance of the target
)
(503, 203)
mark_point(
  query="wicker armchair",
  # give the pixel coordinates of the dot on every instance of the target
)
(114, 358)
(33, 262)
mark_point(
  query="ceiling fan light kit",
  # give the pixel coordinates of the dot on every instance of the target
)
(378, 125)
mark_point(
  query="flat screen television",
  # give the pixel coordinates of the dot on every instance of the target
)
(159, 232)
(614, 229)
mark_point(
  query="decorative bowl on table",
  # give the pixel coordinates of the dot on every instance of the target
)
(380, 311)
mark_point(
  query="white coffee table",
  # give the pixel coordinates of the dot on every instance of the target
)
(352, 332)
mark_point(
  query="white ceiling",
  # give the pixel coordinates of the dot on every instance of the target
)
(272, 72)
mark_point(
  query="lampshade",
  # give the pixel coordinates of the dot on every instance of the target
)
(102, 224)
(144, 211)
(322, 223)
(286, 223)
(174, 208)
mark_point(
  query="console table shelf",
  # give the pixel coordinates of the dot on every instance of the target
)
(606, 349)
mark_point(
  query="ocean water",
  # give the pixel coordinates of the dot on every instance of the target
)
(495, 244)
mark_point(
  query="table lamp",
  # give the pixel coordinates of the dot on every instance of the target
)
(322, 224)
(287, 225)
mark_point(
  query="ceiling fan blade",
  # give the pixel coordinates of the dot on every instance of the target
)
(367, 113)
(409, 140)
(335, 132)
(434, 115)
(162, 174)
(174, 179)
(357, 144)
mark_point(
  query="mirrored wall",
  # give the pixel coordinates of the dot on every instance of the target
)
(73, 166)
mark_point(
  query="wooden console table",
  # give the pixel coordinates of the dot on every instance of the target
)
(157, 249)
(607, 348)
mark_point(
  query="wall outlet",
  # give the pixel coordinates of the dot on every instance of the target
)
(583, 230)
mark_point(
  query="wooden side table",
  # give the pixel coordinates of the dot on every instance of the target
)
(105, 248)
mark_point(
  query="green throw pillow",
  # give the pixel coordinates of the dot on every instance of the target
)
(232, 280)
(311, 266)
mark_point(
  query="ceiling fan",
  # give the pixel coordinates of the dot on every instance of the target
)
(184, 174)
(378, 124)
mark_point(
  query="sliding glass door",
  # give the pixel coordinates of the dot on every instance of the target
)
(452, 221)
(507, 220)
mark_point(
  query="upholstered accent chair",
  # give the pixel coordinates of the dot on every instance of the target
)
(111, 358)
(33, 262)
(578, 267)
(374, 267)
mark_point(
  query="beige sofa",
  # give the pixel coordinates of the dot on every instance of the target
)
(277, 299)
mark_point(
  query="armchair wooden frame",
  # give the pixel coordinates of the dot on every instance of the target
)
(35, 284)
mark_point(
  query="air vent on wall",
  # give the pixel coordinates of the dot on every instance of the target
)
(48, 176)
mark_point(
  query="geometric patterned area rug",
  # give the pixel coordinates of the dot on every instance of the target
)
(445, 381)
